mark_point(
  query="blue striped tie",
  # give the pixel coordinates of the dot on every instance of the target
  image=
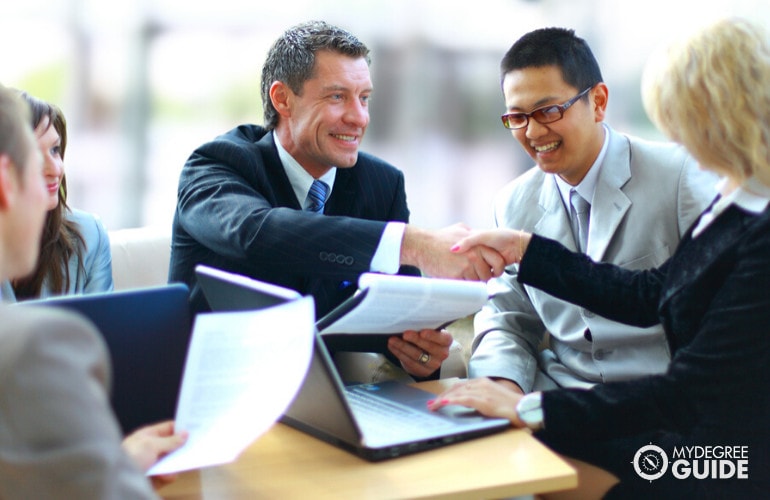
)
(317, 196)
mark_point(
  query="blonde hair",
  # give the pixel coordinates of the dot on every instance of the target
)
(711, 93)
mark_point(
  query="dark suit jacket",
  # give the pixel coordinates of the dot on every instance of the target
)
(58, 436)
(713, 299)
(236, 211)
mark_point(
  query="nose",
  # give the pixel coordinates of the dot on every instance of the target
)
(535, 129)
(357, 114)
(52, 166)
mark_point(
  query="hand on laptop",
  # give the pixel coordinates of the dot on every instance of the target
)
(421, 353)
(149, 444)
(490, 398)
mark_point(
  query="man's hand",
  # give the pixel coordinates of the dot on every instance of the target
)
(421, 353)
(149, 444)
(429, 250)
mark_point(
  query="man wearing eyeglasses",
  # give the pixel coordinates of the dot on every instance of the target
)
(616, 198)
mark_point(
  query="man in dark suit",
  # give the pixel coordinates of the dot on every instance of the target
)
(294, 202)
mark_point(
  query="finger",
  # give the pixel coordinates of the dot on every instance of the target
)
(165, 428)
(465, 244)
(482, 269)
(409, 357)
(438, 351)
(429, 339)
(494, 260)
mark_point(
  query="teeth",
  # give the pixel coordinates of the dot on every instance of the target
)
(345, 137)
(547, 147)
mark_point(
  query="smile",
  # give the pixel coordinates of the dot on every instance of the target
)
(547, 147)
(347, 138)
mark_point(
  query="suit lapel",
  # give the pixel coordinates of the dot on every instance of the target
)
(343, 195)
(554, 222)
(609, 207)
(610, 202)
(279, 181)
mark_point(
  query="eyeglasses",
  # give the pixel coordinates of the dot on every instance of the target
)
(546, 114)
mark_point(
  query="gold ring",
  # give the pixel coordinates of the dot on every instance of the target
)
(424, 358)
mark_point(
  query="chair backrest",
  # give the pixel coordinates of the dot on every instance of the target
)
(140, 256)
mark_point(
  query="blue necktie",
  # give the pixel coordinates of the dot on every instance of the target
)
(581, 211)
(317, 196)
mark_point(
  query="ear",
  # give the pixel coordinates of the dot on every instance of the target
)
(599, 96)
(8, 181)
(280, 96)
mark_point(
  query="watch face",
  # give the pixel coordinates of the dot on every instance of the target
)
(650, 462)
(530, 411)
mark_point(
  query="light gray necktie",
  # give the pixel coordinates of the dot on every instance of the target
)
(581, 212)
(317, 196)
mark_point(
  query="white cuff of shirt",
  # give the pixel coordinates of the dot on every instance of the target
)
(387, 258)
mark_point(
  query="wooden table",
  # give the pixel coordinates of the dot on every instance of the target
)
(286, 463)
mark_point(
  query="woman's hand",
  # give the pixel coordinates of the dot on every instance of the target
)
(490, 398)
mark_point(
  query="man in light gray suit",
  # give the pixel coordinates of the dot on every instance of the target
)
(616, 198)
(58, 437)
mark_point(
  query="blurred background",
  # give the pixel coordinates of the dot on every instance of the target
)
(144, 82)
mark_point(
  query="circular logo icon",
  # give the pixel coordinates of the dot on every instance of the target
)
(650, 462)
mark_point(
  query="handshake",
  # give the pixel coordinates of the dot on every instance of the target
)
(459, 252)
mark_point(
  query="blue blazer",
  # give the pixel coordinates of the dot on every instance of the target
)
(236, 210)
(713, 300)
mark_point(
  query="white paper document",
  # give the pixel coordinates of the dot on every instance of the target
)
(243, 369)
(391, 304)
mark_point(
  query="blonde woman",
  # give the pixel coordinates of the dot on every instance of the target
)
(700, 429)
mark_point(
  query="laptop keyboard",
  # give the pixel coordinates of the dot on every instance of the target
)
(380, 415)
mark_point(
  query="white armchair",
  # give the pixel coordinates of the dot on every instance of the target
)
(140, 256)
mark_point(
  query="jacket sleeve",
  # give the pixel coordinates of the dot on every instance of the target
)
(98, 258)
(58, 437)
(227, 203)
(720, 373)
(618, 294)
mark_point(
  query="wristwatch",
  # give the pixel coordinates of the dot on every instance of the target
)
(530, 410)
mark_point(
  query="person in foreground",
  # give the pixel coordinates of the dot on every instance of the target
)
(296, 204)
(658, 436)
(640, 197)
(75, 253)
(58, 436)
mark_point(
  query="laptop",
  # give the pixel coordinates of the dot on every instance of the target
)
(225, 291)
(375, 421)
(147, 331)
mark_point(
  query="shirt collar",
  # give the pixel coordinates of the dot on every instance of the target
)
(298, 177)
(752, 196)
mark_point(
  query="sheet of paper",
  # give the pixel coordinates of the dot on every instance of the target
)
(243, 369)
(394, 304)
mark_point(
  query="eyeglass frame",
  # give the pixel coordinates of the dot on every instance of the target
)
(561, 107)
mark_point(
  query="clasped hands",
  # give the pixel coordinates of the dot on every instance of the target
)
(453, 252)
(459, 252)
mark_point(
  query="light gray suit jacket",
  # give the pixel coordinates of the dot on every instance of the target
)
(647, 195)
(58, 437)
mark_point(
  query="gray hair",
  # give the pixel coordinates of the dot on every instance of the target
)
(291, 58)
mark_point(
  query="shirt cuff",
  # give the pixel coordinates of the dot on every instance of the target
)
(387, 258)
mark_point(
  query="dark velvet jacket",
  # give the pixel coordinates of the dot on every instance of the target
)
(237, 211)
(713, 299)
